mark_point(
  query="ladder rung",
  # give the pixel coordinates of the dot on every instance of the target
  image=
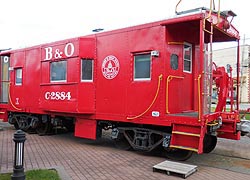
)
(225, 131)
(185, 133)
(184, 147)
(208, 94)
(208, 73)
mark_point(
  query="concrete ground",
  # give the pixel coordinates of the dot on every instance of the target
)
(80, 159)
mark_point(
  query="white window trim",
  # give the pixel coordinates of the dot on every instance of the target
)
(66, 72)
(88, 80)
(150, 74)
(191, 57)
(142, 79)
(19, 83)
(58, 81)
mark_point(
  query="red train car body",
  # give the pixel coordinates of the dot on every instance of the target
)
(151, 84)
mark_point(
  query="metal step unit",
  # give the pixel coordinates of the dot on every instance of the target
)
(175, 168)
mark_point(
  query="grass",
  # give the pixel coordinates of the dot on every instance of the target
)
(40, 174)
(247, 116)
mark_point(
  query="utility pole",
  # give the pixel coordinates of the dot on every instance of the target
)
(248, 70)
(242, 66)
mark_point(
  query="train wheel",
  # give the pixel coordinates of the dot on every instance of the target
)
(122, 143)
(44, 128)
(22, 123)
(209, 143)
(69, 125)
(16, 126)
(177, 154)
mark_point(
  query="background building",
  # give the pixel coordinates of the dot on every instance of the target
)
(222, 57)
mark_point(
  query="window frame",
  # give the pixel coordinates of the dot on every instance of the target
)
(50, 66)
(16, 82)
(188, 60)
(92, 71)
(150, 68)
(174, 63)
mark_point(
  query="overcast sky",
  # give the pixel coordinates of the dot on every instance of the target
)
(30, 22)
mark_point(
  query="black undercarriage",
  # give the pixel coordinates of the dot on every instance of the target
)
(145, 138)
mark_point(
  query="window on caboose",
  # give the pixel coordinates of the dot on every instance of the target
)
(174, 61)
(18, 76)
(142, 67)
(87, 70)
(58, 71)
(187, 56)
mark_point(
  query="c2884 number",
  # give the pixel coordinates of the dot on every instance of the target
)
(57, 95)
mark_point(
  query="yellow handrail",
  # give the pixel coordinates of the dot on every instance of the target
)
(209, 15)
(210, 11)
(199, 97)
(175, 43)
(218, 13)
(156, 95)
(169, 78)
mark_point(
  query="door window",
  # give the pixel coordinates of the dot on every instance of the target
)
(187, 57)
(174, 61)
(18, 74)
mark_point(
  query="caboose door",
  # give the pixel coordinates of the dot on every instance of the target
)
(179, 87)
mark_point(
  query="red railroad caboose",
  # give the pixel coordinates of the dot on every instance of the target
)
(151, 84)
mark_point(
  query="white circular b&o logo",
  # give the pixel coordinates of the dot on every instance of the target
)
(110, 67)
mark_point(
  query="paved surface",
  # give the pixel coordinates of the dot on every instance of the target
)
(87, 160)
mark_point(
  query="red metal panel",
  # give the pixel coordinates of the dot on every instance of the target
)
(188, 137)
(17, 92)
(140, 94)
(182, 85)
(73, 70)
(45, 73)
(86, 97)
(31, 79)
(59, 97)
(111, 83)
(79, 96)
(226, 135)
(175, 91)
(87, 90)
(146, 39)
(85, 128)
(87, 48)
(60, 50)
(122, 96)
